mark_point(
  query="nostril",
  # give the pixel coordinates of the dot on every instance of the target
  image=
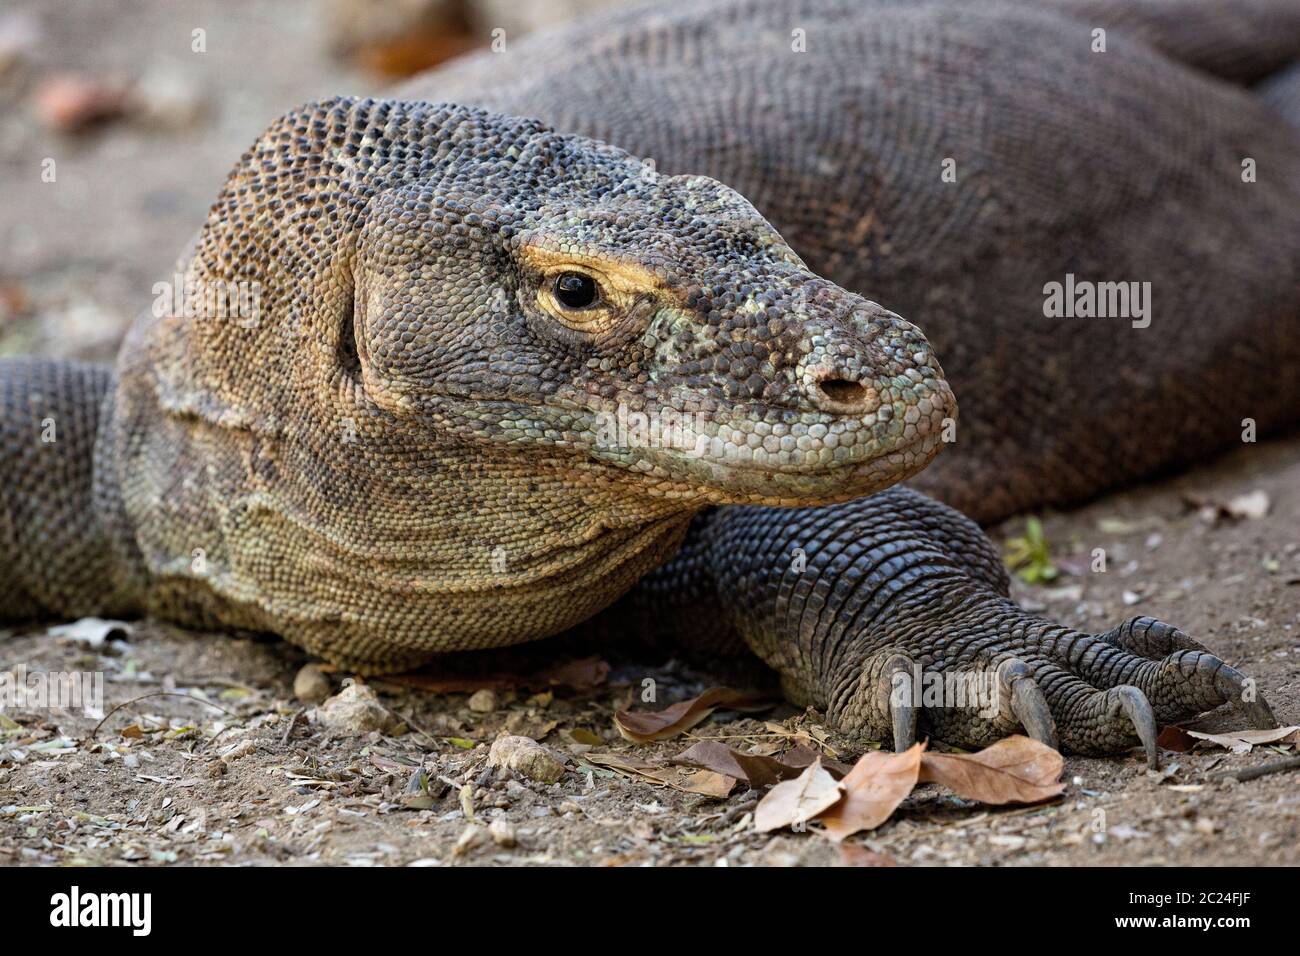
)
(842, 391)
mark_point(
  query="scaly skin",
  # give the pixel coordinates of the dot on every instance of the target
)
(406, 449)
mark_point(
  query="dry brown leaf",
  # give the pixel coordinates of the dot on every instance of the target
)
(802, 756)
(706, 782)
(642, 726)
(797, 801)
(632, 766)
(1016, 769)
(1175, 739)
(1241, 741)
(757, 770)
(873, 789)
(800, 737)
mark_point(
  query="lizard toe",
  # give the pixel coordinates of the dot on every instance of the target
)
(1150, 638)
(1027, 701)
(1096, 722)
(1178, 676)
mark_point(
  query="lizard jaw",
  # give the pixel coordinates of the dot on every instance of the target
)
(723, 482)
(814, 459)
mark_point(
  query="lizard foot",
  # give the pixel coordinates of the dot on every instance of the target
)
(896, 619)
(1087, 694)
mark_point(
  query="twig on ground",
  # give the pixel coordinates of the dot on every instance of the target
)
(160, 693)
(1263, 770)
(293, 722)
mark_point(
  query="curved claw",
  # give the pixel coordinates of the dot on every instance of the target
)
(1028, 702)
(1231, 683)
(902, 700)
(1138, 709)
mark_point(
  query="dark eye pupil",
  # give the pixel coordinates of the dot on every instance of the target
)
(575, 290)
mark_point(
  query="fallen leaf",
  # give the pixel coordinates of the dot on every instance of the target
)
(706, 782)
(642, 726)
(873, 789)
(1013, 770)
(802, 756)
(1241, 741)
(1176, 739)
(797, 801)
(754, 769)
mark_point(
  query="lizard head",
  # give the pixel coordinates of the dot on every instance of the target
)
(489, 288)
(559, 294)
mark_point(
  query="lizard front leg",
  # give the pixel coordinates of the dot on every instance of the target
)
(63, 543)
(892, 614)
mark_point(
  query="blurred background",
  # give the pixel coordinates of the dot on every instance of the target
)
(119, 120)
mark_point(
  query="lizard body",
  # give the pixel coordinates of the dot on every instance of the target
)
(418, 441)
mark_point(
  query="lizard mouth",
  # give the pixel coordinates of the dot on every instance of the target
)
(810, 458)
(741, 454)
(726, 481)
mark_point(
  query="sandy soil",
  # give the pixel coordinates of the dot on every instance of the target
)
(237, 771)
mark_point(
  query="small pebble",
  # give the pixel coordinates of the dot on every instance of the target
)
(68, 102)
(526, 757)
(502, 833)
(353, 712)
(470, 837)
(483, 701)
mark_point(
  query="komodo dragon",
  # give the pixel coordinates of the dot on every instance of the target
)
(418, 441)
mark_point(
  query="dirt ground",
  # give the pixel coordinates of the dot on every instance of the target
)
(236, 770)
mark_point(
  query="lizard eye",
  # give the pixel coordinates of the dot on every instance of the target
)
(573, 290)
